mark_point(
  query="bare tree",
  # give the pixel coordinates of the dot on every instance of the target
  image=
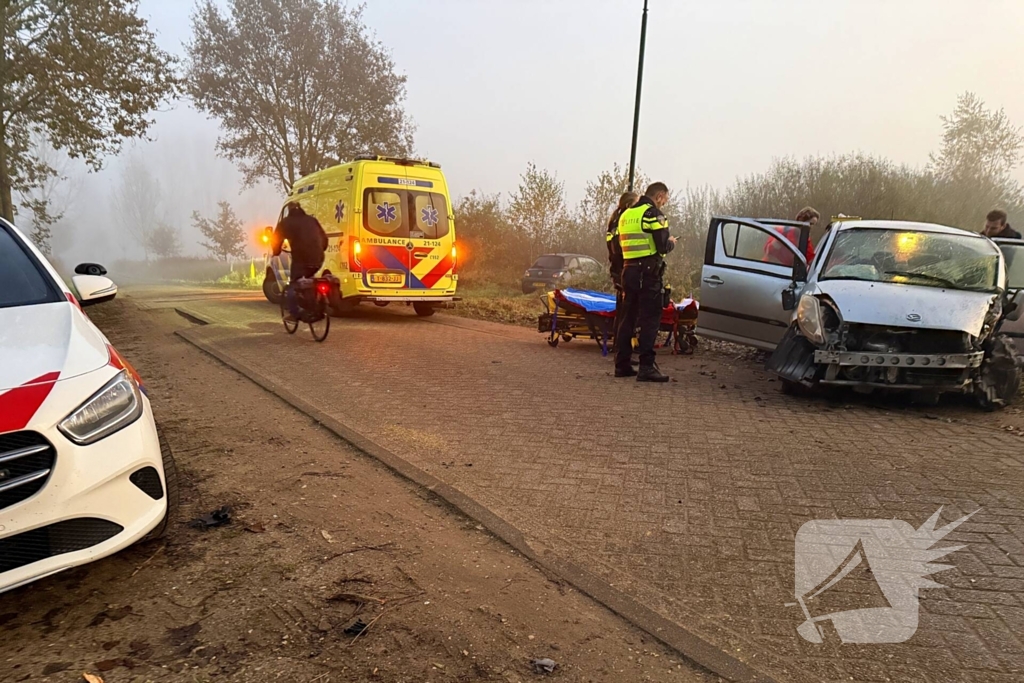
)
(224, 234)
(537, 209)
(50, 199)
(165, 241)
(297, 85)
(136, 200)
(977, 143)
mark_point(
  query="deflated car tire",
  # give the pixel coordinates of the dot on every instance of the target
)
(171, 479)
(999, 378)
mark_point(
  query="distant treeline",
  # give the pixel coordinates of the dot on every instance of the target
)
(969, 176)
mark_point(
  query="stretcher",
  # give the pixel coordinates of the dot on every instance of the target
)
(580, 313)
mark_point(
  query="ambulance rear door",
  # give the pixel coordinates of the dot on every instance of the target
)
(430, 234)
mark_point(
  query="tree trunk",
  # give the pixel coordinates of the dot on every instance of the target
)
(6, 197)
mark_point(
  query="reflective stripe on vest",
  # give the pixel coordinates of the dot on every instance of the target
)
(634, 241)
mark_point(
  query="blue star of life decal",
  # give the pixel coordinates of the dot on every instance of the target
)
(429, 216)
(387, 213)
(339, 211)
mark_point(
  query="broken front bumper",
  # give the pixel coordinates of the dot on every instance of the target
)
(901, 360)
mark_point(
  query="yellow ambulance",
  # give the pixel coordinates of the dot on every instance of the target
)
(390, 230)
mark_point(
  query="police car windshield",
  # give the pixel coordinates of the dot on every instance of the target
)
(22, 281)
(549, 262)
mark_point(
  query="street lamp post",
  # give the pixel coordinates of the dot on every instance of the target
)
(636, 110)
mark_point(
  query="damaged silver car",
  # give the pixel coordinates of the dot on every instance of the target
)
(884, 305)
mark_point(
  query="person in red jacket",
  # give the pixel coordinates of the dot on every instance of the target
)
(776, 252)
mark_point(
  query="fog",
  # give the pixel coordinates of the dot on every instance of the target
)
(728, 86)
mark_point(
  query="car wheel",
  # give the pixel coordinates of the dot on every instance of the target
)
(271, 289)
(170, 490)
(999, 380)
(424, 310)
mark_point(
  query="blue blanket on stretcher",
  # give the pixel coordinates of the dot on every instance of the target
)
(591, 302)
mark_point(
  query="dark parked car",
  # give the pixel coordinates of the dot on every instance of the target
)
(559, 270)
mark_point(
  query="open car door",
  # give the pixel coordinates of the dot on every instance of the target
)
(1013, 257)
(748, 265)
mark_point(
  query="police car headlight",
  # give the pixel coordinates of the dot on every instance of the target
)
(808, 319)
(112, 408)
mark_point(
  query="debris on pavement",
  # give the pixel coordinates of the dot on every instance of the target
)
(91, 678)
(256, 528)
(543, 666)
(218, 517)
(356, 628)
(327, 536)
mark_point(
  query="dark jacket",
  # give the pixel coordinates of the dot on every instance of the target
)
(615, 259)
(307, 239)
(1008, 232)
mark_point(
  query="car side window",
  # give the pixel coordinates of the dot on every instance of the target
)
(750, 244)
(574, 265)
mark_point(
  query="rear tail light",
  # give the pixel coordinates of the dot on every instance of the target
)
(455, 257)
(355, 265)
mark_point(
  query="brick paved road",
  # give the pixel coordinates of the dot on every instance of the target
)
(686, 495)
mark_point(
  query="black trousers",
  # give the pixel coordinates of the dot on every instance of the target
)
(641, 306)
(619, 295)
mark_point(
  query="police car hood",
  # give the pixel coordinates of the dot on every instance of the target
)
(47, 342)
(901, 305)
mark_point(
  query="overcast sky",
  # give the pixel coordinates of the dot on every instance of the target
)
(728, 84)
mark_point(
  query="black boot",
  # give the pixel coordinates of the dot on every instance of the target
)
(625, 372)
(651, 374)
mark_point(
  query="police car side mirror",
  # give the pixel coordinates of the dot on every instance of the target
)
(94, 289)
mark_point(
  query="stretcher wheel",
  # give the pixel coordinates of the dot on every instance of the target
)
(567, 338)
(553, 342)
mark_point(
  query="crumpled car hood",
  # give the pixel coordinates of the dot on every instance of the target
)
(899, 305)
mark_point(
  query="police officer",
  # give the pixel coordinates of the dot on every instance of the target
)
(615, 261)
(645, 240)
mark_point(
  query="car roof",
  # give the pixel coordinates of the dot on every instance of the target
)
(903, 225)
(564, 255)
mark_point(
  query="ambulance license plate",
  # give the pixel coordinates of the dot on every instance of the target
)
(387, 278)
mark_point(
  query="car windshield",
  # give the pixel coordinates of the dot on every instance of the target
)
(549, 262)
(911, 257)
(22, 281)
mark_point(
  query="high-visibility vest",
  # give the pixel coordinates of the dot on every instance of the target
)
(636, 232)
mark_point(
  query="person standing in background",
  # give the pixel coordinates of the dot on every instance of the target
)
(615, 260)
(996, 225)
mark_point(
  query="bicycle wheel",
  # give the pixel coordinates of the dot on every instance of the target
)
(322, 323)
(289, 325)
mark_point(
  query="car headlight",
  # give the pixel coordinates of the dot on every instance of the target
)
(114, 407)
(526, 274)
(558, 274)
(808, 319)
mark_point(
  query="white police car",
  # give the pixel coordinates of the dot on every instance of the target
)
(83, 472)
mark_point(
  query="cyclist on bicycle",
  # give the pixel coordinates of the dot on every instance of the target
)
(308, 242)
